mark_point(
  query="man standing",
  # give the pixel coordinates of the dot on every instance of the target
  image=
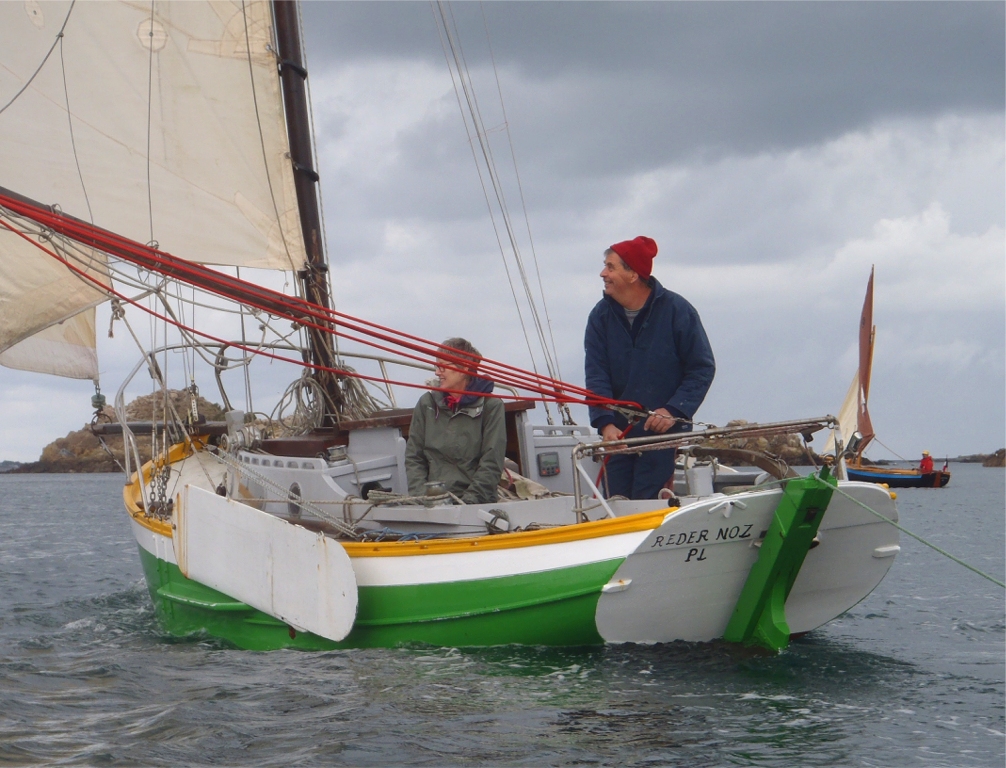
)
(926, 465)
(644, 344)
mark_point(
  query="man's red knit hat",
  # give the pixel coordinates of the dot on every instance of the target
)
(637, 254)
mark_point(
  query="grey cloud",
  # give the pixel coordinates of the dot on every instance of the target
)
(639, 83)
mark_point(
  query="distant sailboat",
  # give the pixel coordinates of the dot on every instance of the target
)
(856, 427)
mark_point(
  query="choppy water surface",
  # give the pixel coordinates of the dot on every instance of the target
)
(911, 676)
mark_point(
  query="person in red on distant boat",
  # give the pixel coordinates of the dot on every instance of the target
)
(926, 465)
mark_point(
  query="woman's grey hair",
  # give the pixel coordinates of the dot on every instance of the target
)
(464, 349)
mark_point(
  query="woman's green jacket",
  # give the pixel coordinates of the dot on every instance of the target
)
(463, 449)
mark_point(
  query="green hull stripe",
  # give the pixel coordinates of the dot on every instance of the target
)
(467, 599)
(552, 608)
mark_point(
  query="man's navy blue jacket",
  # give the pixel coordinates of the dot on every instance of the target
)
(663, 361)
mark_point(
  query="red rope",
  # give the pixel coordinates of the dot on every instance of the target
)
(294, 309)
(281, 305)
(245, 348)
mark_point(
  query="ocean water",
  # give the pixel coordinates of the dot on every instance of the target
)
(912, 676)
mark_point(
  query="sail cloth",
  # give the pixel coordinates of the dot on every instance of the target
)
(867, 332)
(854, 415)
(846, 417)
(64, 349)
(195, 82)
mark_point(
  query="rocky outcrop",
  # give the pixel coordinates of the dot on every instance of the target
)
(82, 451)
(997, 459)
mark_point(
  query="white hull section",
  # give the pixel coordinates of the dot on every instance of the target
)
(470, 566)
(686, 577)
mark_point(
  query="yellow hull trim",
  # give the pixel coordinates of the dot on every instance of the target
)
(133, 497)
(644, 521)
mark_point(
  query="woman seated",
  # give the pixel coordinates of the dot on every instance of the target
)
(457, 436)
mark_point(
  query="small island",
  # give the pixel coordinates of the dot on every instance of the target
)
(83, 451)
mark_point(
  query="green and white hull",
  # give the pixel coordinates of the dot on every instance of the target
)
(532, 602)
(657, 576)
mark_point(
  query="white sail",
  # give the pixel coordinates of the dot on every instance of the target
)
(157, 121)
(847, 417)
(64, 349)
(174, 77)
(37, 291)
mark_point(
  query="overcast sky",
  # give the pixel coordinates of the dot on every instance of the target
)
(775, 151)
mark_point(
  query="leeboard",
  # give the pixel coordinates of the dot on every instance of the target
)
(300, 577)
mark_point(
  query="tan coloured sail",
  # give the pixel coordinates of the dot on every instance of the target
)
(854, 415)
(216, 186)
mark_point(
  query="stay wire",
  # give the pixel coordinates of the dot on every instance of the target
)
(443, 28)
(30, 80)
(520, 187)
(491, 168)
(551, 358)
(316, 162)
(490, 161)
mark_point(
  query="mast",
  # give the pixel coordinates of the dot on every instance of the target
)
(314, 276)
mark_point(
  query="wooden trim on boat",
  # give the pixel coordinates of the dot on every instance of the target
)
(318, 441)
(132, 497)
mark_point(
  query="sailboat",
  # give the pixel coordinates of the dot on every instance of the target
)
(151, 151)
(856, 428)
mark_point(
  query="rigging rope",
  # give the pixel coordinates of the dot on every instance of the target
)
(546, 389)
(523, 203)
(890, 449)
(469, 96)
(783, 481)
(30, 80)
(297, 310)
(451, 39)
